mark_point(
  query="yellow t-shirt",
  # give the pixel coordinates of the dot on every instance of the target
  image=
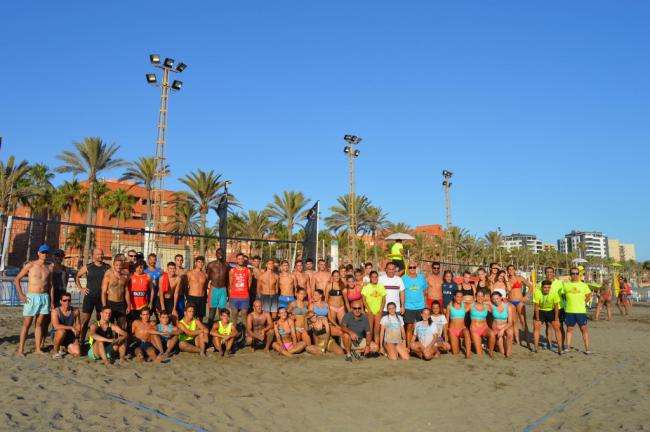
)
(556, 287)
(546, 302)
(575, 294)
(396, 251)
(374, 295)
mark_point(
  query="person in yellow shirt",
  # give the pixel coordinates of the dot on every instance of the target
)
(374, 299)
(547, 311)
(556, 286)
(397, 256)
(577, 294)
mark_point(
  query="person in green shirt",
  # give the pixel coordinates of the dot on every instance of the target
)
(547, 311)
(577, 294)
(556, 286)
(397, 256)
(374, 300)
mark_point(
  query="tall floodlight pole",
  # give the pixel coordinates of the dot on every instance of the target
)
(352, 153)
(167, 67)
(447, 185)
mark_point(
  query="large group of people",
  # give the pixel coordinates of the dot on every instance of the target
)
(134, 309)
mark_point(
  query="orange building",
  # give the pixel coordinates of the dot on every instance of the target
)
(430, 230)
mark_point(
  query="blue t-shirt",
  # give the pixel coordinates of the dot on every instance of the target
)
(448, 290)
(414, 289)
(155, 277)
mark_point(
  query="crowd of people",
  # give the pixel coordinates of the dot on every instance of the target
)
(134, 309)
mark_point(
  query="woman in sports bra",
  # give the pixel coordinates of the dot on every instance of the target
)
(334, 299)
(298, 310)
(286, 342)
(351, 292)
(478, 313)
(322, 341)
(502, 323)
(482, 284)
(318, 306)
(466, 288)
(457, 330)
(518, 299)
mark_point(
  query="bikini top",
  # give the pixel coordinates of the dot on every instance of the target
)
(335, 292)
(516, 285)
(456, 313)
(320, 311)
(500, 315)
(319, 332)
(297, 310)
(281, 330)
(476, 314)
(467, 292)
(353, 295)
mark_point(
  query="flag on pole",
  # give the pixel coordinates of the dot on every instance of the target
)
(222, 212)
(310, 245)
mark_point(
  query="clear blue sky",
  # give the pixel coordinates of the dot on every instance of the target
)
(541, 109)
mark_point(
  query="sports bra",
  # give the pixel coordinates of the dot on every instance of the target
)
(319, 332)
(467, 292)
(335, 292)
(456, 313)
(297, 310)
(476, 314)
(503, 315)
(353, 295)
(320, 311)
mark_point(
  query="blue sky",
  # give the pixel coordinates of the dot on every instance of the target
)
(539, 108)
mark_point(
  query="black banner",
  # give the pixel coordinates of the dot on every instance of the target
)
(310, 244)
(222, 212)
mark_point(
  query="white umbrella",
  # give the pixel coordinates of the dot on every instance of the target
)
(400, 236)
(579, 260)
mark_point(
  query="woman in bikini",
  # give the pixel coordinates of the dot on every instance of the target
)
(518, 299)
(322, 341)
(392, 337)
(500, 284)
(318, 306)
(286, 342)
(351, 292)
(457, 330)
(298, 310)
(334, 299)
(502, 323)
(604, 299)
(478, 313)
(467, 288)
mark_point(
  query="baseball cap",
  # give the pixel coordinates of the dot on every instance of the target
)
(44, 248)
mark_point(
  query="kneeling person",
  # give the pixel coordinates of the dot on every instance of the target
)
(105, 339)
(141, 329)
(357, 337)
(66, 324)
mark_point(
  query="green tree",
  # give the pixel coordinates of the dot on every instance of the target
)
(185, 221)
(67, 197)
(92, 156)
(14, 184)
(204, 193)
(119, 206)
(288, 209)
(374, 220)
(143, 173)
(493, 243)
(40, 178)
(339, 219)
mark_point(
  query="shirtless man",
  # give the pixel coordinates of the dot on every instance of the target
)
(257, 272)
(287, 283)
(197, 282)
(259, 328)
(322, 279)
(240, 279)
(115, 293)
(302, 280)
(66, 324)
(37, 301)
(267, 288)
(309, 272)
(434, 285)
(181, 271)
(168, 292)
(141, 330)
(217, 285)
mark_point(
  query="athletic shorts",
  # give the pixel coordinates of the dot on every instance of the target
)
(218, 298)
(562, 315)
(412, 316)
(199, 302)
(118, 309)
(572, 319)
(169, 305)
(109, 351)
(68, 338)
(285, 301)
(37, 304)
(239, 303)
(547, 316)
(92, 302)
(269, 302)
(399, 264)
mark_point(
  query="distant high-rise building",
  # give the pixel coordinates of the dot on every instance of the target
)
(595, 244)
(621, 251)
(523, 241)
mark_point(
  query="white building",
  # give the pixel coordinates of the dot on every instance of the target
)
(595, 244)
(523, 241)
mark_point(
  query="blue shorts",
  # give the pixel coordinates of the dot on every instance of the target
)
(571, 319)
(37, 304)
(239, 303)
(285, 301)
(218, 298)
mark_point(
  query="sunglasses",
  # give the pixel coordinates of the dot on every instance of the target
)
(44, 252)
(357, 308)
(575, 274)
(412, 267)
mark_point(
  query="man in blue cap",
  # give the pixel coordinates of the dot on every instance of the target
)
(37, 300)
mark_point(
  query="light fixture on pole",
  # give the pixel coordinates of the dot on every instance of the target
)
(447, 185)
(167, 67)
(352, 153)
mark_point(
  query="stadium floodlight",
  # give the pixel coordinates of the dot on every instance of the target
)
(176, 85)
(346, 149)
(151, 78)
(154, 59)
(180, 67)
(169, 62)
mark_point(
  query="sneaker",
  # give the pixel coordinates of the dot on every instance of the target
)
(57, 355)
(565, 351)
(588, 352)
(348, 358)
(356, 355)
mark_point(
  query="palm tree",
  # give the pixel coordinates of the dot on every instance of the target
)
(77, 239)
(374, 220)
(143, 172)
(401, 227)
(288, 209)
(92, 157)
(119, 206)
(66, 198)
(339, 220)
(204, 194)
(494, 242)
(13, 187)
(38, 204)
(185, 221)
(252, 224)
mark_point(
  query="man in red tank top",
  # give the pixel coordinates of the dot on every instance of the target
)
(240, 279)
(140, 290)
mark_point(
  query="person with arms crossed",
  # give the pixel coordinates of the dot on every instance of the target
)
(66, 326)
(577, 294)
(547, 311)
(92, 301)
(240, 279)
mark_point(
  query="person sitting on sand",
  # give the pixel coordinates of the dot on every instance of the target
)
(357, 337)
(259, 328)
(547, 311)
(194, 335)
(298, 310)
(165, 335)
(392, 336)
(224, 333)
(456, 317)
(428, 341)
(321, 337)
(286, 343)
(141, 330)
(105, 339)
(66, 324)
(577, 295)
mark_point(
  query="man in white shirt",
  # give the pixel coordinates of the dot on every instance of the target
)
(394, 286)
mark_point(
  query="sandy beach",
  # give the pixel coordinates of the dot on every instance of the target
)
(251, 392)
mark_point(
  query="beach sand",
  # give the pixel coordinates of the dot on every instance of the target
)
(254, 392)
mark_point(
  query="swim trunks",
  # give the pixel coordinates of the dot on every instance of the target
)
(199, 302)
(37, 304)
(118, 309)
(285, 301)
(218, 298)
(269, 302)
